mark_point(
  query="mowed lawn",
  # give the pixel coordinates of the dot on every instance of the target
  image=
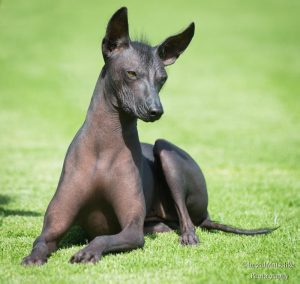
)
(232, 100)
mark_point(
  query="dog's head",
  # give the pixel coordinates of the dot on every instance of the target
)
(135, 71)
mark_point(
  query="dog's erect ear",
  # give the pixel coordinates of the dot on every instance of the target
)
(173, 46)
(117, 35)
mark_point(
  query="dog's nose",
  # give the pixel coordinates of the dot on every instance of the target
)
(156, 112)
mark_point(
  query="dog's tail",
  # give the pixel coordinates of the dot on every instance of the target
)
(212, 225)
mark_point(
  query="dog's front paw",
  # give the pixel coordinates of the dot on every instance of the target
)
(86, 256)
(189, 238)
(33, 260)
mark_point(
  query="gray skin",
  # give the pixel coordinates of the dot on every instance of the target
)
(111, 185)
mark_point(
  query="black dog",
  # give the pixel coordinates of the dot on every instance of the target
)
(114, 187)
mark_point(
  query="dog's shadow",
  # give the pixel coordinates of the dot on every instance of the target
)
(74, 237)
(6, 199)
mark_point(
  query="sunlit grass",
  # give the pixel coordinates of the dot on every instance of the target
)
(232, 101)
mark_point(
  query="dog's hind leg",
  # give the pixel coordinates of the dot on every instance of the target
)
(179, 170)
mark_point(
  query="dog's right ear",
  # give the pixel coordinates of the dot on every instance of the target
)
(117, 34)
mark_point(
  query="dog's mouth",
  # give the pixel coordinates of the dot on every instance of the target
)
(150, 116)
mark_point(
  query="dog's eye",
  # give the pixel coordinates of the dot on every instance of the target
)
(131, 74)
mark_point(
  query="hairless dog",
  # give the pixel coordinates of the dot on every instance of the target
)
(114, 187)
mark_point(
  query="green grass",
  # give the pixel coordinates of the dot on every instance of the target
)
(232, 101)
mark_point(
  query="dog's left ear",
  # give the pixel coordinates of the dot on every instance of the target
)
(173, 46)
(117, 34)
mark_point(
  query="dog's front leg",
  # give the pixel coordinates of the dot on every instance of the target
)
(59, 217)
(129, 238)
(127, 199)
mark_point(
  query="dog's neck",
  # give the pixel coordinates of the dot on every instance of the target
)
(107, 125)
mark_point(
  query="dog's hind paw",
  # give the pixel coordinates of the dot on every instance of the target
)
(189, 238)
